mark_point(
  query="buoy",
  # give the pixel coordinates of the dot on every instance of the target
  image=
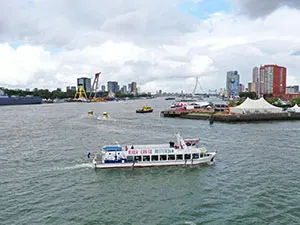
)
(104, 115)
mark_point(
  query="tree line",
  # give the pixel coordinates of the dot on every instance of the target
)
(46, 94)
(273, 101)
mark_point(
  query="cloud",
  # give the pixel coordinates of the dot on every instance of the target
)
(74, 24)
(296, 52)
(258, 8)
(152, 43)
(22, 66)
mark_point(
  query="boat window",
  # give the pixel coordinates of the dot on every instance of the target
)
(146, 157)
(171, 157)
(195, 156)
(187, 156)
(155, 158)
(163, 157)
(188, 144)
(179, 157)
(193, 144)
(137, 158)
(201, 155)
(130, 158)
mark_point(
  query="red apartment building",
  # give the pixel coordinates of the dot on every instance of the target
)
(271, 81)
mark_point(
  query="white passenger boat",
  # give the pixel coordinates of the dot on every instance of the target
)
(185, 152)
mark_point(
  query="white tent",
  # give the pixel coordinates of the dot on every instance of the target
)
(295, 108)
(255, 106)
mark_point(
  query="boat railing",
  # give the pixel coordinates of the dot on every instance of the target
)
(147, 146)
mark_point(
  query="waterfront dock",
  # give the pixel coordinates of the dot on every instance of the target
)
(225, 117)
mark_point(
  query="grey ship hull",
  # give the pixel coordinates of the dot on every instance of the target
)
(20, 100)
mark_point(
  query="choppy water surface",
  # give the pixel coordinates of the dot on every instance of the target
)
(46, 177)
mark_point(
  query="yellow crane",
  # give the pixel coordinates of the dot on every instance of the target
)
(80, 94)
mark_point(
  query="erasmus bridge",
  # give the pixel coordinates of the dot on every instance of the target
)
(201, 91)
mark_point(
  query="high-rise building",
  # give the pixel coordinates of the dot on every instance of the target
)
(133, 88)
(251, 87)
(255, 80)
(232, 83)
(112, 86)
(124, 89)
(85, 82)
(272, 80)
(241, 88)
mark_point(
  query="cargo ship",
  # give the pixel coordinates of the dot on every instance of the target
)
(18, 100)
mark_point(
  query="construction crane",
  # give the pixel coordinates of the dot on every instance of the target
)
(80, 94)
(95, 87)
(93, 94)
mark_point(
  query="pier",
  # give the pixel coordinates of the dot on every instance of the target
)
(225, 117)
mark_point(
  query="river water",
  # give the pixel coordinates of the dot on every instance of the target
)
(46, 177)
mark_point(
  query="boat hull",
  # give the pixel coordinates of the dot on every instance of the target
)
(20, 100)
(144, 111)
(195, 162)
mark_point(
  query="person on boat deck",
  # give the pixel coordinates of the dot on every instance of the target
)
(132, 147)
(126, 148)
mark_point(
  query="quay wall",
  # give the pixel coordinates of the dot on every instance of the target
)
(233, 117)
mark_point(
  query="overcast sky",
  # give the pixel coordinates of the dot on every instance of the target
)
(159, 44)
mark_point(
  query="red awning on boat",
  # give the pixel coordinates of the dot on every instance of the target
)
(180, 104)
(192, 140)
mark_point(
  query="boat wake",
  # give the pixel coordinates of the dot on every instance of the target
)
(189, 222)
(79, 166)
(102, 118)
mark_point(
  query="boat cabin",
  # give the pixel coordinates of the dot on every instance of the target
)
(118, 154)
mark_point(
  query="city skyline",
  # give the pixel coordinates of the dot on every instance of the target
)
(164, 50)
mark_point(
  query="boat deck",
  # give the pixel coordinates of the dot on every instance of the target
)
(148, 146)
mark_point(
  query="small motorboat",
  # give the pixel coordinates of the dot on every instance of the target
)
(144, 109)
(90, 112)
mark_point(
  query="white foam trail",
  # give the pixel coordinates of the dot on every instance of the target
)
(79, 166)
(189, 222)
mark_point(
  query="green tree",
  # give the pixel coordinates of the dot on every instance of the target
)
(295, 101)
(251, 95)
(234, 103)
(70, 94)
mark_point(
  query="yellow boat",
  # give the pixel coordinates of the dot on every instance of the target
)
(144, 109)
